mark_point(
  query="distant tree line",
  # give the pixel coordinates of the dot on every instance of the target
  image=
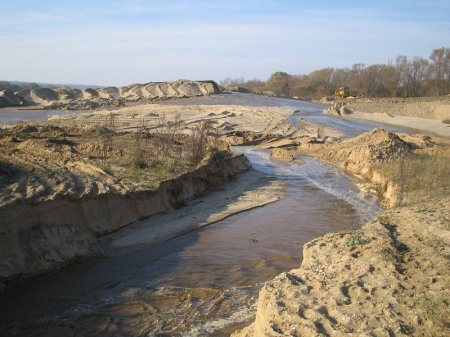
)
(401, 77)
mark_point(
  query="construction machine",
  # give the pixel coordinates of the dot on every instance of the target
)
(344, 92)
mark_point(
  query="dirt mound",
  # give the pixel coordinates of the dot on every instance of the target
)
(43, 95)
(166, 90)
(68, 93)
(339, 109)
(388, 279)
(8, 98)
(372, 147)
(90, 93)
(109, 92)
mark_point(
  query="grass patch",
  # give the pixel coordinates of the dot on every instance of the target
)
(355, 239)
(420, 176)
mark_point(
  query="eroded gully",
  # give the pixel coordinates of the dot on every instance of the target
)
(203, 283)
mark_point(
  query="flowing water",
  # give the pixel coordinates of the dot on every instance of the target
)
(203, 283)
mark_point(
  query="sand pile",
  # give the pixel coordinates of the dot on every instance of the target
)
(165, 90)
(89, 93)
(109, 92)
(339, 109)
(88, 99)
(44, 96)
(369, 148)
(8, 98)
(68, 93)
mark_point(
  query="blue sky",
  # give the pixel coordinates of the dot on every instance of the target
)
(119, 42)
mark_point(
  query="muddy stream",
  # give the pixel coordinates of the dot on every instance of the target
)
(203, 283)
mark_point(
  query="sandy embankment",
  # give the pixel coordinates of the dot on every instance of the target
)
(38, 237)
(425, 114)
(389, 278)
(57, 199)
(246, 191)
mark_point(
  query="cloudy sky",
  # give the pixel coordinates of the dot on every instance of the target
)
(118, 42)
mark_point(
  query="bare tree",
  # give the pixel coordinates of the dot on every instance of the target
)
(441, 69)
(417, 72)
(198, 141)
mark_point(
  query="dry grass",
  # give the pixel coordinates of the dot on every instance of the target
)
(420, 176)
(149, 157)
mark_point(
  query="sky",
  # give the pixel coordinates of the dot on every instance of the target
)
(119, 42)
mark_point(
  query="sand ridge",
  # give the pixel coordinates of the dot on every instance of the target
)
(90, 98)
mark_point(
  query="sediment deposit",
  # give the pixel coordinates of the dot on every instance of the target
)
(88, 99)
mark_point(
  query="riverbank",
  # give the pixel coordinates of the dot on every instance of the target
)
(62, 188)
(245, 191)
(390, 277)
(427, 125)
(427, 114)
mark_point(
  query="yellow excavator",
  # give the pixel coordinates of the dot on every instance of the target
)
(345, 92)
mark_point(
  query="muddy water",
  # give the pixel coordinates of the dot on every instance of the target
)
(200, 284)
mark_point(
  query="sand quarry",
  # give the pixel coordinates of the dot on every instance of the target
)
(390, 278)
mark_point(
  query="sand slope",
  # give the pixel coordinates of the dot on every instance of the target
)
(388, 279)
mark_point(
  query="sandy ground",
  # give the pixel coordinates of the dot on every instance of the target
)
(222, 119)
(428, 114)
(422, 124)
(388, 279)
(248, 190)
